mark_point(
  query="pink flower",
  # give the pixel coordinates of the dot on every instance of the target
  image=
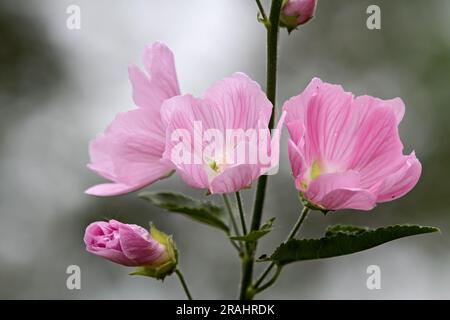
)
(129, 153)
(297, 12)
(126, 244)
(346, 152)
(217, 142)
(132, 246)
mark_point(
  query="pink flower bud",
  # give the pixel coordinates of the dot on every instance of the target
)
(132, 246)
(297, 12)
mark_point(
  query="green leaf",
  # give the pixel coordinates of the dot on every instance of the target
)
(342, 240)
(346, 229)
(253, 236)
(201, 211)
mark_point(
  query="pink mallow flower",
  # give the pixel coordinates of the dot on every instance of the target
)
(132, 246)
(129, 152)
(345, 152)
(297, 12)
(221, 142)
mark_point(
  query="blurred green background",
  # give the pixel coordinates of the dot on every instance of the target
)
(61, 87)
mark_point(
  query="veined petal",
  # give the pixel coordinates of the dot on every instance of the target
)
(160, 84)
(401, 181)
(235, 178)
(296, 159)
(345, 152)
(160, 64)
(327, 119)
(112, 255)
(274, 147)
(295, 108)
(129, 153)
(376, 139)
(349, 198)
(137, 248)
(239, 101)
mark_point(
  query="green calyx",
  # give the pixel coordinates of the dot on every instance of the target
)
(164, 265)
(311, 205)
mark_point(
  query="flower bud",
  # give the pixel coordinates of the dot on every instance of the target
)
(297, 12)
(130, 245)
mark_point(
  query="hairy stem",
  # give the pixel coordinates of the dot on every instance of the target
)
(183, 284)
(272, 51)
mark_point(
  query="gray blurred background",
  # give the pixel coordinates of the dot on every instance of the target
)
(61, 87)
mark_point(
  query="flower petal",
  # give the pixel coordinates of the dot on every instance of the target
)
(401, 181)
(160, 64)
(150, 91)
(235, 178)
(137, 247)
(327, 119)
(240, 102)
(112, 255)
(129, 153)
(341, 190)
(297, 161)
(112, 189)
(376, 140)
(295, 108)
(347, 198)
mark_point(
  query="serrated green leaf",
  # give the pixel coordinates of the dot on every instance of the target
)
(201, 211)
(346, 229)
(343, 240)
(253, 236)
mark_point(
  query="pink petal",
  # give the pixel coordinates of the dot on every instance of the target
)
(327, 120)
(234, 178)
(240, 102)
(111, 189)
(138, 246)
(302, 9)
(296, 159)
(113, 255)
(396, 105)
(295, 108)
(342, 190)
(274, 147)
(150, 91)
(401, 181)
(376, 140)
(129, 153)
(358, 199)
(160, 64)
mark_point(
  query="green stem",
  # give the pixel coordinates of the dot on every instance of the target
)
(261, 10)
(183, 284)
(294, 231)
(298, 224)
(272, 51)
(230, 211)
(271, 281)
(233, 222)
(241, 212)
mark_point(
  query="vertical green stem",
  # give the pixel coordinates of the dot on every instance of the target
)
(183, 284)
(230, 211)
(241, 212)
(272, 51)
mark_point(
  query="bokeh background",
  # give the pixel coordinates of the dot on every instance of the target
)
(61, 87)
